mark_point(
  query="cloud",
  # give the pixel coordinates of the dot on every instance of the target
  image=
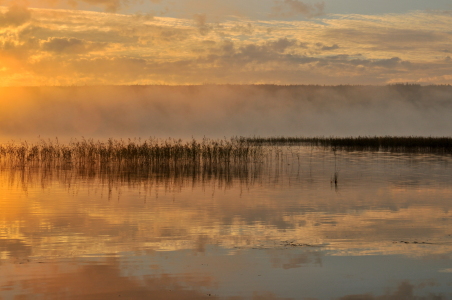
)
(284, 52)
(231, 54)
(200, 23)
(109, 5)
(281, 44)
(389, 62)
(292, 8)
(71, 46)
(16, 15)
(400, 39)
(342, 49)
(343, 60)
(327, 48)
(247, 28)
(144, 17)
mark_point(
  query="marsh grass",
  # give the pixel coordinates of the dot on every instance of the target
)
(367, 143)
(237, 150)
(176, 163)
(136, 152)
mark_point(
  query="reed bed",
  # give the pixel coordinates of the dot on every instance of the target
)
(364, 143)
(170, 162)
(137, 152)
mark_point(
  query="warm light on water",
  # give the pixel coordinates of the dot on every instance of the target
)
(278, 229)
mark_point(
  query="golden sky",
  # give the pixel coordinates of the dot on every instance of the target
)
(73, 42)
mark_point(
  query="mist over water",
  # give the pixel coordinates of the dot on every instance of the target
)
(226, 110)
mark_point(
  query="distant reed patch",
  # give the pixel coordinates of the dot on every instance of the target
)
(375, 143)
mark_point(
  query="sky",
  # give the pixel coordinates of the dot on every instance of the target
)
(182, 42)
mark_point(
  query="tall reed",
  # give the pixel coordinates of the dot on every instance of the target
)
(150, 151)
(171, 162)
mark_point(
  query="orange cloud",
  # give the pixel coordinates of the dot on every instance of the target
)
(16, 15)
(71, 46)
(145, 49)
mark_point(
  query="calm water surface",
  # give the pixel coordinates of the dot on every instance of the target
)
(276, 229)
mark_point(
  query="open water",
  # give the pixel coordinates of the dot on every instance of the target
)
(281, 228)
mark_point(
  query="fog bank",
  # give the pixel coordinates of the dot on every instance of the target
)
(225, 110)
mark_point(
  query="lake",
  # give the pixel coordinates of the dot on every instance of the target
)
(275, 228)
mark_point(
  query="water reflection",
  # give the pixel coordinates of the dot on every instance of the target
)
(244, 275)
(261, 230)
(404, 290)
